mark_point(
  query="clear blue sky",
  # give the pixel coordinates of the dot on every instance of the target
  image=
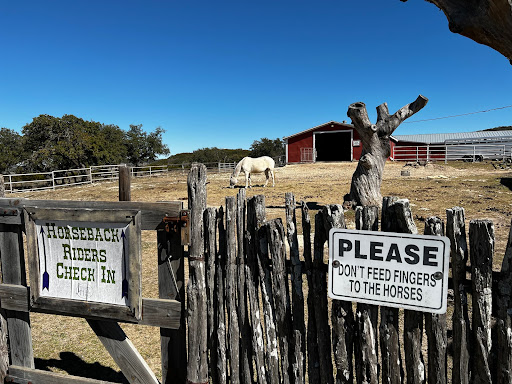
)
(226, 73)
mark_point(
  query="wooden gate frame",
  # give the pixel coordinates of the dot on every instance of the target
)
(166, 312)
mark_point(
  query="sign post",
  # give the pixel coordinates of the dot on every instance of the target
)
(391, 269)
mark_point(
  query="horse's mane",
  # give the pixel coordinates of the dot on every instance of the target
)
(238, 168)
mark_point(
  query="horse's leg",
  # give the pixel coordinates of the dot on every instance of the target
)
(273, 181)
(247, 179)
(267, 175)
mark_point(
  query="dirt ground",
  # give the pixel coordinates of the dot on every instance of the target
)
(65, 344)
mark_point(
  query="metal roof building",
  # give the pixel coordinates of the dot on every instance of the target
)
(460, 137)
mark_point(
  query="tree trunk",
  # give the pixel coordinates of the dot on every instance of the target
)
(367, 178)
(487, 22)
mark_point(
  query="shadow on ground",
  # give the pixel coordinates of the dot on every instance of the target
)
(507, 182)
(73, 365)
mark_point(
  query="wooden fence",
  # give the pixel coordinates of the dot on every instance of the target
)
(166, 312)
(258, 306)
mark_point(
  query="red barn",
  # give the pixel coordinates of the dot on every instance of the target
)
(331, 141)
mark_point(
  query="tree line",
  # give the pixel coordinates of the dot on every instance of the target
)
(263, 147)
(49, 143)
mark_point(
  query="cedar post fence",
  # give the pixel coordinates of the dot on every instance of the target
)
(293, 340)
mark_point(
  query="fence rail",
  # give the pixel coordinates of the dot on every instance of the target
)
(465, 152)
(27, 182)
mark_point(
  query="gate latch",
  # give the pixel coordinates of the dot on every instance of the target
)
(181, 222)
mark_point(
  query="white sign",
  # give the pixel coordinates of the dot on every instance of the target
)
(391, 269)
(83, 260)
(356, 143)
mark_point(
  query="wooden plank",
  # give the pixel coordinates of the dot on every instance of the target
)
(113, 338)
(210, 254)
(297, 296)
(233, 330)
(271, 352)
(276, 239)
(252, 278)
(311, 338)
(13, 272)
(320, 299)
(156, 312)
(24, 375)
(246, 367)
(504, 318)
(456, 232)
(4, 343)
(365, 345)
(197, 369)
(151, 213)
(392, 371)
(342, 316)
(220, 312)
(435, 325)
(413, 320)
(481, 240)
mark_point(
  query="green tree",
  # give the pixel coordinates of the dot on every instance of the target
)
(142, 147)
(11, 154)
(267, 147)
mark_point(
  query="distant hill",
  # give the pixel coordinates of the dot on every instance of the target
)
(206, 155)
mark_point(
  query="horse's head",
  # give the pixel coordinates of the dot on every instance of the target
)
(232, 182)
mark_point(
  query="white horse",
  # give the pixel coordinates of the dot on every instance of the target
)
(250, 165)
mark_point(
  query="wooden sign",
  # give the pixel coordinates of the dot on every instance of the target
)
(83, 258)
(391, 269)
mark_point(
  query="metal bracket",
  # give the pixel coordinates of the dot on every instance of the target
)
(173, 223)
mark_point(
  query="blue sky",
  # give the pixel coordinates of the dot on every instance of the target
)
(226, 73)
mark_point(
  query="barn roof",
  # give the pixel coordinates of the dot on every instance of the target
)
(317, 127)
(460, 137)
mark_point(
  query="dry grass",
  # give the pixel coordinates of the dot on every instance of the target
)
(67, 344)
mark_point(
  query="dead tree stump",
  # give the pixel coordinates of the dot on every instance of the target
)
(367, 178)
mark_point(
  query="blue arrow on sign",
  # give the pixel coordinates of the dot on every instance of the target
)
(124, 288)
(46, 276)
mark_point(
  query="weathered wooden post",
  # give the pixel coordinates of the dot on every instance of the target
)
(233, 331)
(210, 253)
(413, 320)
(4, 349)
(365, 346)
(504, 320)
(435, 324)
(481, 241)
(342, 316)
(275, 233)
(252, 277)
(299, 331)
(197, 370)
(320, 299)
(220, 314)
(312, 344)
(124, 183)
(246, 368)
(456, 232)
(272, 352)
(392, 371)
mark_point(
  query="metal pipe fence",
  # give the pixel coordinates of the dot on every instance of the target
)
(465, 152)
